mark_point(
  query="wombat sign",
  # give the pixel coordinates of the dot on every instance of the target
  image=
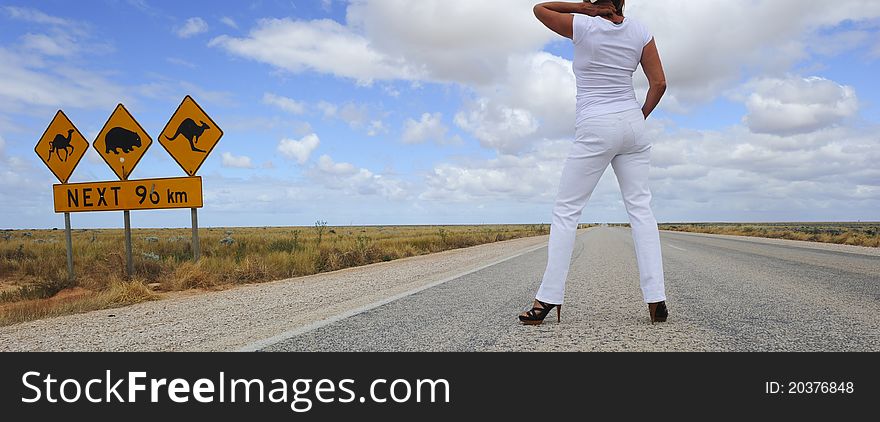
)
(192, 132)
(122, 139)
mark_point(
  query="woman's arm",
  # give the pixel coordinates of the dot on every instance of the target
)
(556, 15)
(656, 77)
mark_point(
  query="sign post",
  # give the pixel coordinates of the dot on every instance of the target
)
(67, 235)
(65, 143)
(122, 143)
(129, 263)
(189, 137)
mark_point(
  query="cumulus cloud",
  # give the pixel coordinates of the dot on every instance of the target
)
(471, 51)
(239, 162)
(287, 104)
(322, 45)
(192, 27)
(798, 105)
(498, 126)
(700, 67)
(352, 180)
(299, 150)
(429, 128)
(733, 174)
(526, 177)
(356, 115)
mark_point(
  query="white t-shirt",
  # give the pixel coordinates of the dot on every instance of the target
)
(605, 57)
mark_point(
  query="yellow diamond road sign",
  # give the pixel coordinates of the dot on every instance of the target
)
(122, 142)
(190, 136)
(61, 147)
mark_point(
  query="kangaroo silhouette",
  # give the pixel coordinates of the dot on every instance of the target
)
(191, 131)
(121, 138)
(61, 143)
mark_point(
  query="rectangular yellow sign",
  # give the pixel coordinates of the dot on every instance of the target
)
(129, 195)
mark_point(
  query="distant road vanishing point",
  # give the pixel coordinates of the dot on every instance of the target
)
(725, 294)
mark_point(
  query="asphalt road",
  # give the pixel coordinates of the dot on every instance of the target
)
(725, 294)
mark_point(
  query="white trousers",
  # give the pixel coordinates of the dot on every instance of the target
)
(617, 139)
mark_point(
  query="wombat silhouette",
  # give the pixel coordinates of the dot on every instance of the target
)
(61, 143)
(191, 131)
(122, 138)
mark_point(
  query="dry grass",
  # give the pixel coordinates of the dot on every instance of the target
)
(857, 234)
(33, 269)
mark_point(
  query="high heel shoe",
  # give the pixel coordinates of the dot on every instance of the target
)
(658, 312)
(537, 315)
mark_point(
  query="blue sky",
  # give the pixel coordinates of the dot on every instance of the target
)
(443, 112)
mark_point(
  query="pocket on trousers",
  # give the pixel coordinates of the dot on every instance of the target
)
(639, 131)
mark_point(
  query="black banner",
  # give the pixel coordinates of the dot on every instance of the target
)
(392, 386)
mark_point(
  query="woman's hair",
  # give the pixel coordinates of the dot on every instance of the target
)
(618, 5)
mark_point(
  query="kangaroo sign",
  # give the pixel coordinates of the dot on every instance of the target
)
(190, 136)
(61, 147)
(123, 142)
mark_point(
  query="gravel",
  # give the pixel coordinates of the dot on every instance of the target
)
(234, 319)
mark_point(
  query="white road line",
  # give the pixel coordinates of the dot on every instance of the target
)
(676, 247)
(262, 344)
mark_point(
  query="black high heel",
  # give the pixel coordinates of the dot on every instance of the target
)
(658, 312)
(537, 315)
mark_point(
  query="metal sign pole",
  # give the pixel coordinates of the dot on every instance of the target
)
(70, 273)
(197, 249)
(129, 265)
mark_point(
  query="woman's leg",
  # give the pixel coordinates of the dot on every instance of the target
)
(632, 174)
(586, 164)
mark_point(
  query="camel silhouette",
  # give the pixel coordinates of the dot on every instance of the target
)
(61, 143)
(191, 131)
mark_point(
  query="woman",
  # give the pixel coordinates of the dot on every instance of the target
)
(608, 49)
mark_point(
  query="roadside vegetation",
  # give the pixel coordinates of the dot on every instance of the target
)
(857, 234)
(33, 266)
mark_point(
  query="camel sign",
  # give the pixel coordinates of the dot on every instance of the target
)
(61, 147)
(190, 136)
(122, 143)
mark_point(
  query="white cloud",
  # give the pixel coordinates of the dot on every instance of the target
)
(327, 165)
(352, 180)
(239, 162)
(376, 128)
(797, 105)
(328, 109)
(181, 62)
(287, 104)
(700, 67)
(36, 16)
(356, 115)
(470, 51)
(497, 126)
(429, 128)
(527, 177)
(226, 20)
(192, 27)
(58, 45)
(27, 81)
(299, 150)
(323, 45)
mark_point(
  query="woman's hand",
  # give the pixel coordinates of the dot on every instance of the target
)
(556, 15)
(591, 9)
